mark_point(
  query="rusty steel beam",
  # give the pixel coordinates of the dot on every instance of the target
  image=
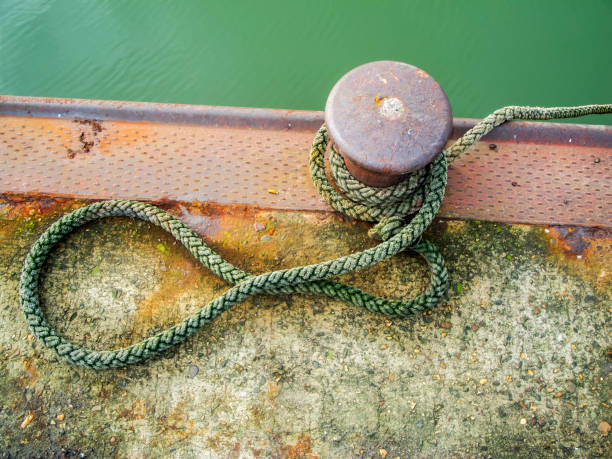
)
(523, 172)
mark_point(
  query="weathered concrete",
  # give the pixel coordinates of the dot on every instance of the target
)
(516, 362)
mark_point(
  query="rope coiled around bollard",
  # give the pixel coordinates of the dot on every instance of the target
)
(420, 194)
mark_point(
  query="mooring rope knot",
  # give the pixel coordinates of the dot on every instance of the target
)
(416, 199)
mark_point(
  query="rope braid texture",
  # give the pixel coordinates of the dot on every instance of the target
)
(421, 194)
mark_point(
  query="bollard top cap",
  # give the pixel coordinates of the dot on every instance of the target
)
(387, 118)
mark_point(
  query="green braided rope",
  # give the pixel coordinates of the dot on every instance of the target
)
(387, 206)
(520, 113)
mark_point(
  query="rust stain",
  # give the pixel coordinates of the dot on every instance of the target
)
(225, 445)
(176, 427)
(26, 205)
(221, 222)
(159, 308)
(301, 449)
(30, 376)
(178, 417)
(273, 390)
(586, 251)
(34, 204)
(137, 411)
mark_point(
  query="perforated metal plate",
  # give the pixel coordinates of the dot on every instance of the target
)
(536, 173)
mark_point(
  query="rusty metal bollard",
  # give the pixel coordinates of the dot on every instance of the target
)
(387, 119)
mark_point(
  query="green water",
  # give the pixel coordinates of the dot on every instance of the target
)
(288, 54)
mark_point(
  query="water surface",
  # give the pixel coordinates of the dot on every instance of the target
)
(288, 54)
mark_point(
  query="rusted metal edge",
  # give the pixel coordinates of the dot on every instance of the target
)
(549, 133)
(524, 172)
(542, 133)
(203, 115)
